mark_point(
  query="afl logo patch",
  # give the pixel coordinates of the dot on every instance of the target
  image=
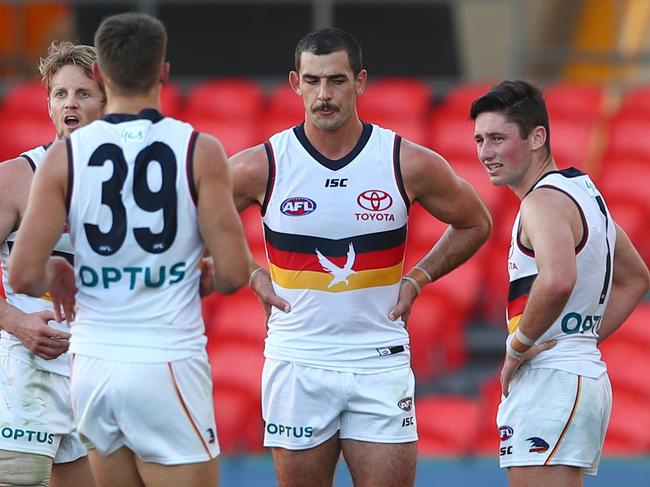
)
(375, 200)
(406, 404)
(297, 206)
(505, 433)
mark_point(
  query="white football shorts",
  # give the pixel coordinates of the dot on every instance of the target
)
(553, 417)
(163, 412)
(35, 412)
(304, 406)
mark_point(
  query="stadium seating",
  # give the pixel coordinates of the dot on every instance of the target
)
(234, 135)
(239, 423)
(452, 135)
(575, 101)
(25, 134)
(238, 318)
(636, 102)
(627, 137)
(171, 100)
(27, 99)
(458, 99)
(395, 99)
(446, 425)
(232, 99)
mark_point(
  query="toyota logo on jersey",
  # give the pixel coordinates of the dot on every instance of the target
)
(375, 200)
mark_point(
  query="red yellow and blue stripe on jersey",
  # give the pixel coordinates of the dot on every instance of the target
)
(517, 299)
(372, 260)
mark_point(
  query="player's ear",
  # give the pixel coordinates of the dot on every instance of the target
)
(97, 73)
(294, 81)
(362, 77)
(164, 73)
(538, 137)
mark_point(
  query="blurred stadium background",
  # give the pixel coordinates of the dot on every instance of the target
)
(427, 60)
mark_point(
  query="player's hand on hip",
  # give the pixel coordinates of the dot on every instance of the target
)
(40, 338)
(510, 367)
(62, 288)
(538, 348)
(405, 299)
(262, 286)
(206, 281)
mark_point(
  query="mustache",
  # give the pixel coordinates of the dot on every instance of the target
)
(324, 106)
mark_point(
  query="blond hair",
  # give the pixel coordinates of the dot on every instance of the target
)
(63, 53)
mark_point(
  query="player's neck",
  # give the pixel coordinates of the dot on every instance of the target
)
(337, 143)
(132, 104)
(536, 170)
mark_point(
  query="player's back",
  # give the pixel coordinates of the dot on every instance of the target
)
(134, 228)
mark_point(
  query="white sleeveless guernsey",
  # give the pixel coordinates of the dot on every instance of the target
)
(576, 329)
(134, 228)
(335, 233)
(28, 304)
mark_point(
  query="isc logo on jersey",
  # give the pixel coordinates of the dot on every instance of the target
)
(297, 206)
(376, 202)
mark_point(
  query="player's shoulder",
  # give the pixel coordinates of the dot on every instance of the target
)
(250, 159)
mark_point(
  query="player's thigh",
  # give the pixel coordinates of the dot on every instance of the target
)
(18, 468)
(385, 464)
(203, 474)
(312, 467)
(550, 475)
(301, 406)
(118, 468)
(72, 474)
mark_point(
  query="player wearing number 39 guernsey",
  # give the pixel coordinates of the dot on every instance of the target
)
(143, 195)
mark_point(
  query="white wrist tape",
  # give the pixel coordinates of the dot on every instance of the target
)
(523, 339)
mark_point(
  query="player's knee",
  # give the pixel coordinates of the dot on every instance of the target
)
(24, 469)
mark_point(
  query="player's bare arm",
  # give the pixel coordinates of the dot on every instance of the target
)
(429, 180)
(552, 227)
(30, 328)
(42, 225)
(630, 281)
(219, 223)
(250, 173)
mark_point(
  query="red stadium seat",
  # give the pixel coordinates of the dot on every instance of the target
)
(487, 435)
(636, 102)
(452, 135)
(633, 380)
(627, 177)
(234, 135)
(572, 141)
(237, 366)
(239, 318)
(395, 98)
(635, 332)
(423, 230)
(25, 134)
(631, 214)
(447, 425)
(629, 424)
(458, 100)
(26, 100)
(286, 103)
(227, 98)
(437, 337)
(239, 423)
(171, 100)
(576, 101)
(253, 228)
(628, 138)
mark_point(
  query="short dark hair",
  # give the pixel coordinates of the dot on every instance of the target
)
(520, 102)
(131, 48)
(327, 41)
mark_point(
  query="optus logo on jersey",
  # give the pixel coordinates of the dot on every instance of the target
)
(375, 201)
(146, 275)
(297, 206)
(28, 435)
